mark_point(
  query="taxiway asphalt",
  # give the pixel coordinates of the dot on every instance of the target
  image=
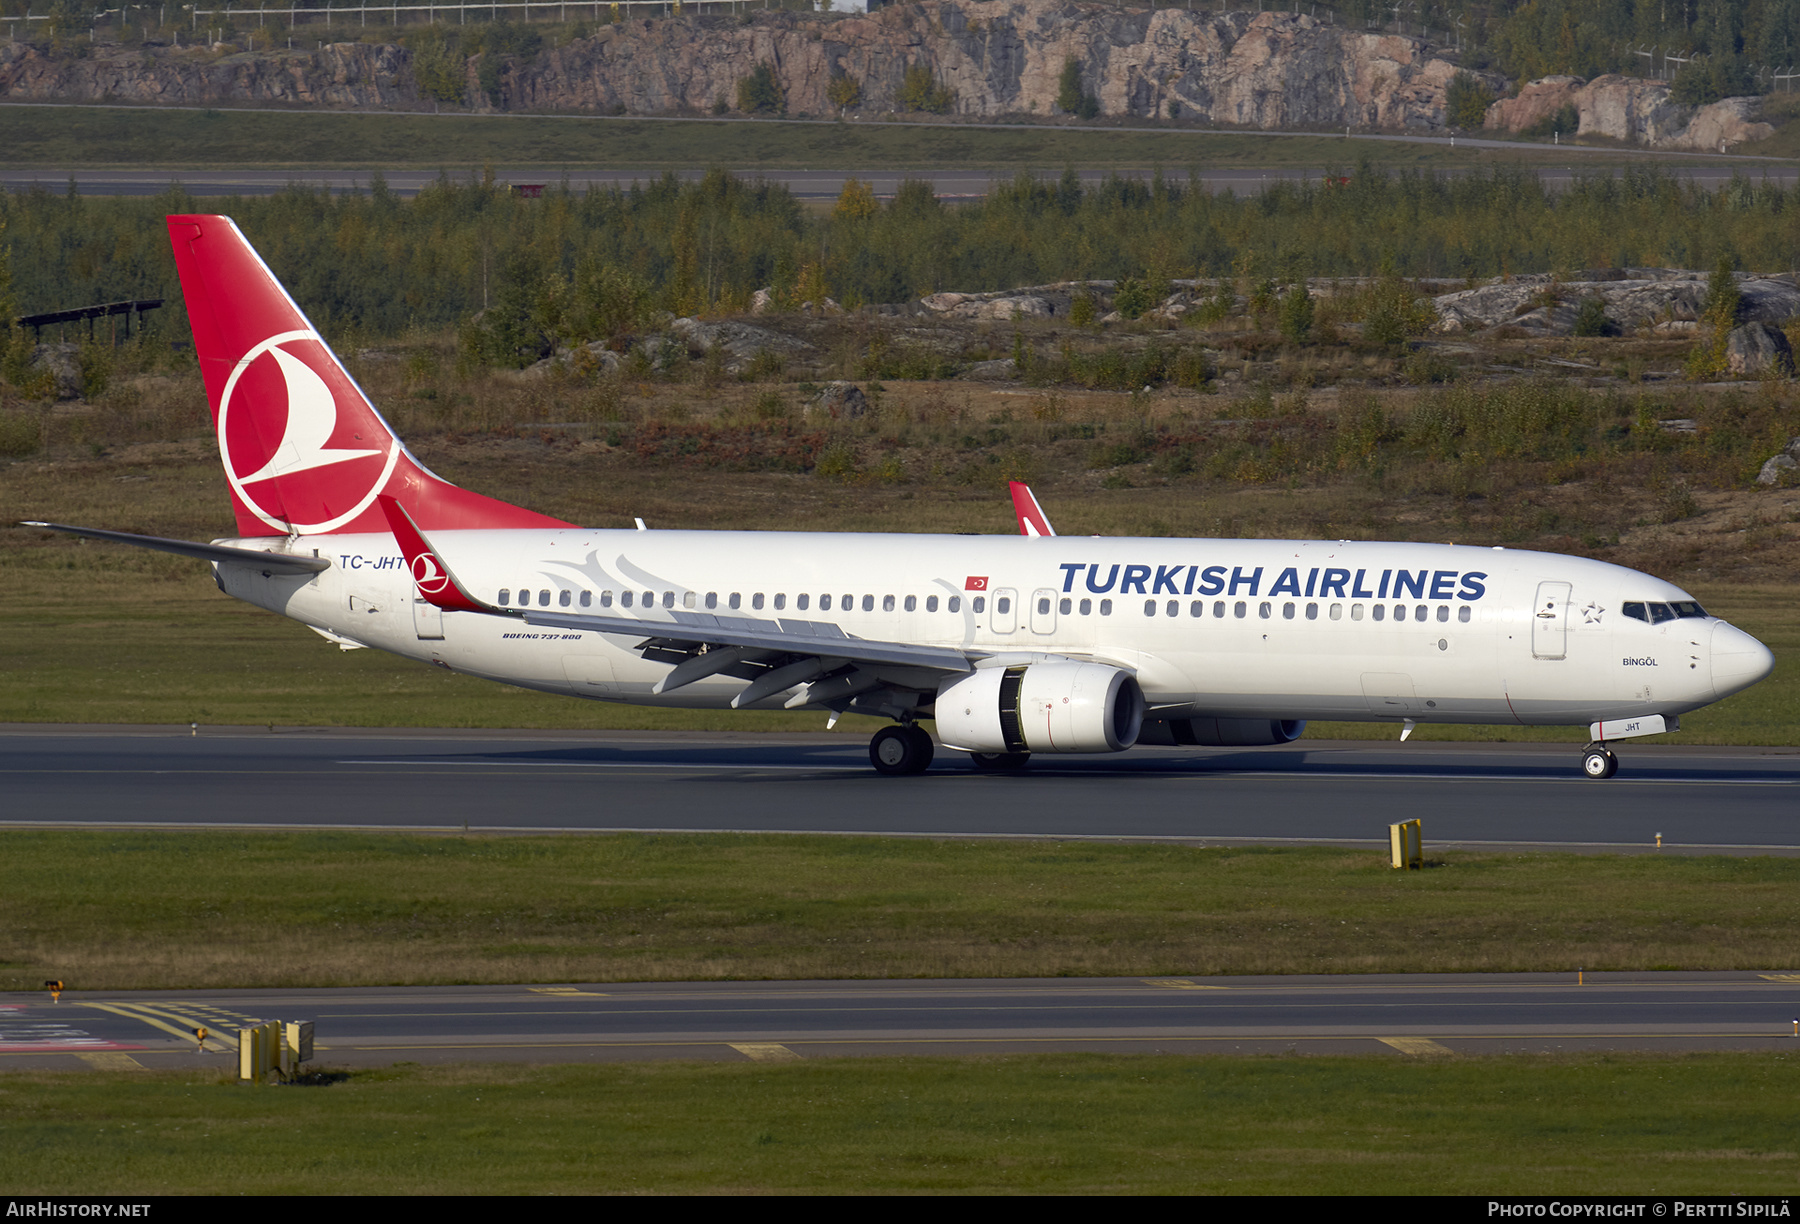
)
(1417, 1016)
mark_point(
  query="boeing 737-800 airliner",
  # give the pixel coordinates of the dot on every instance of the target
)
(1036, 643)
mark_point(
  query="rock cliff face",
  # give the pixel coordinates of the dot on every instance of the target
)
(1631, 110)
(998, 57)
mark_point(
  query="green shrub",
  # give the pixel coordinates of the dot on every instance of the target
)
(20, 435)
(921, 91)
(760, 93)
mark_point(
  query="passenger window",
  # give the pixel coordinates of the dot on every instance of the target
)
(887, 603)
(668, 599)
(1380, 611)
(606, 599)
(712, 600)
(625, 599)
(649, 599)
(735, 602)
(868, 603)
(1265, 609)
(689, 598)
(505, 597)
(1337, 611)
(1219, 609)
(524, 598)
(1443, 612)
(1044, 606)
(1240, 609)
(564, 598)
(780, 602)
(1087, 607)
(1312, 611)
(756, 601)
(1287, 611)
(800, 602)
(1149, 607)
(978, 604)
(912, 603)
(956, 603)
(1421, 613)
(1356, 612)
(1462, 614)
(848, 603)
(1065, 605)
(587, 599)
(931, 603)
(824, 603)
(1106, 607)
(1197, 608)
(543, 599)
(1174, 608)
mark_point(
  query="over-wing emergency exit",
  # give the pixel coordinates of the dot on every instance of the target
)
(1010, 645)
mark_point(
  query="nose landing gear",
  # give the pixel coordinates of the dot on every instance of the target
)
(897, 751)
(1598, 761)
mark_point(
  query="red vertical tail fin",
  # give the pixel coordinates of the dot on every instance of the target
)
(304, 450)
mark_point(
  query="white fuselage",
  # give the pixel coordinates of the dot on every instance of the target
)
(1225, 628)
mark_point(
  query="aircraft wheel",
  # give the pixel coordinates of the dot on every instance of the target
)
(923, 745)
(993, 762)
(1599, 763)
(896, 751)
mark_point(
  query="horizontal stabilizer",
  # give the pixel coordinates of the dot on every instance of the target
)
(273, 562)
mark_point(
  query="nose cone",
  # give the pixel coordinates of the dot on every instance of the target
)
(1738, 660)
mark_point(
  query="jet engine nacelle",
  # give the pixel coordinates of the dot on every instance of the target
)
(1041, 707)
(1223, 732)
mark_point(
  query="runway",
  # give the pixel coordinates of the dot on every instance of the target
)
(1696, 800)
(1419, 1016)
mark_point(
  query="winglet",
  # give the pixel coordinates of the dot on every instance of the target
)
(433, 579)
(1031, 516)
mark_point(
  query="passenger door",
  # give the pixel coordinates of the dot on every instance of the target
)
(1550, 621)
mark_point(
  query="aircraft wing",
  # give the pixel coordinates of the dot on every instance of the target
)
(272, 562)
(797, 637)
(774, 655)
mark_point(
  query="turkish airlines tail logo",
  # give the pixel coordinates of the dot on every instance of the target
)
(304, 449)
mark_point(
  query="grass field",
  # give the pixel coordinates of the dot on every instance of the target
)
(1057, 1124)
(145, 137)
(168, 910)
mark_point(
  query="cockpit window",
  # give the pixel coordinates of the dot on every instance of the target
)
(1637, 611)
(1660, 613)
(1689, 608)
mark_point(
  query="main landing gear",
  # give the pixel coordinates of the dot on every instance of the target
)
(1598, 761)
(999, 762)
(901, 750)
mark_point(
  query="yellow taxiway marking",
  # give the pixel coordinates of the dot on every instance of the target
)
(149, 1015)
(111, 1062)
(567, 992)
(1779, 977)
(1417, 1046)
(764, 1051)
(1180, 984)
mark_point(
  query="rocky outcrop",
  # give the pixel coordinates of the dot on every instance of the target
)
(996, 57)
(345, 75)
(1632, 111)
(1757, 350)
(1634, 298)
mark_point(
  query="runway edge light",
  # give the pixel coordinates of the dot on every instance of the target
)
(1406, 845)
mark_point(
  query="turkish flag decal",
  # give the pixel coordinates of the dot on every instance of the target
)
(975, 584)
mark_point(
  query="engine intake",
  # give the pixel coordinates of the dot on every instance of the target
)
(1041, 707)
